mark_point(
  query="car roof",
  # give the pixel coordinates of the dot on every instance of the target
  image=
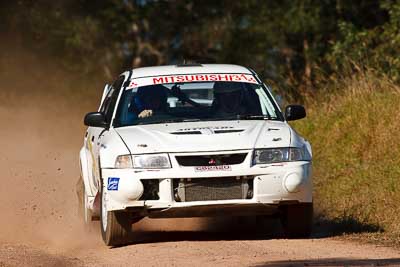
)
(188, 69)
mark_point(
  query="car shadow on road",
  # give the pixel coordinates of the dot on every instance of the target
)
(324, 227)
(244, 228)
(177, 236)
(228, 228)
(332, 262)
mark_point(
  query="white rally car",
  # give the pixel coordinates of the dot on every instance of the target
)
(193, 141)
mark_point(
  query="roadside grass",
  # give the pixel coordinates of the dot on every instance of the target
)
(355, 134)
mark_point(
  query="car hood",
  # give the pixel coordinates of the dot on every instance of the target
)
(205, 136)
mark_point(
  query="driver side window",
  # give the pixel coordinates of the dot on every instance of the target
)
(109, 102)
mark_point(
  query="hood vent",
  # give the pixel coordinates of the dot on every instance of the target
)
(188, 132)
(209, 131)
(228, 131)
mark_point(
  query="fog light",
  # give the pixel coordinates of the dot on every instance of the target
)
(293, 183)
(129, 189)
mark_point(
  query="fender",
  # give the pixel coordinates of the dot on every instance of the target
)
(112, 146)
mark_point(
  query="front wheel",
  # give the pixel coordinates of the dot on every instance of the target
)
(116, 226)
(297, 220)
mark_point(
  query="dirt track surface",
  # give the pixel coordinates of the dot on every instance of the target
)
(39, 224)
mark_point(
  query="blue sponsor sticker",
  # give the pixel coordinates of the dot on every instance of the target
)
(113, 183)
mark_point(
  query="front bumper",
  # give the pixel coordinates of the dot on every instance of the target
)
(273, 185)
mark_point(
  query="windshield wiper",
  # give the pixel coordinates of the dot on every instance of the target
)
(167, 121)
(183, 120)
(242, 117)
(254, 117)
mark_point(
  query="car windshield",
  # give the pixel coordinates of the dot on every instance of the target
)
(195, 101)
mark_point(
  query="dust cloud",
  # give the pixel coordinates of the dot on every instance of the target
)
(41, 110)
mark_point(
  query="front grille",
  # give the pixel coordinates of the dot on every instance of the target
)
(204, 189)
(211, 160)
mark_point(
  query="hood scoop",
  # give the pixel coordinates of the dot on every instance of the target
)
(188, 132)
(208, 131)
(228, 131)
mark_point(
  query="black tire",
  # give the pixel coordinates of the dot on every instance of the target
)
(297, 220)
(118, 226)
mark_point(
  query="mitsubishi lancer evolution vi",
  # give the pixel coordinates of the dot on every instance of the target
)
(193, 141)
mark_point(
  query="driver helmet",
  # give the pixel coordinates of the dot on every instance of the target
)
(228, 97)
(153, 97)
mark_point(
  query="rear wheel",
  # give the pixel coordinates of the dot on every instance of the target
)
(297, 220)
(116, 226)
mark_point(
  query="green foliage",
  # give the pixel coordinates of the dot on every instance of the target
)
(376, 47)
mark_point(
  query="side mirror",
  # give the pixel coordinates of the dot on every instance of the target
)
(294, 112)
(95, 119)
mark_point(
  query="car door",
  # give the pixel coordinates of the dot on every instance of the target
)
(96, 134)
(90, 142)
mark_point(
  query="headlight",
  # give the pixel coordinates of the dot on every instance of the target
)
(151, 161)
(123, 161)
(273, 155)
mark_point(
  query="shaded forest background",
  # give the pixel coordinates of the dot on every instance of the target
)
(296, 45)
